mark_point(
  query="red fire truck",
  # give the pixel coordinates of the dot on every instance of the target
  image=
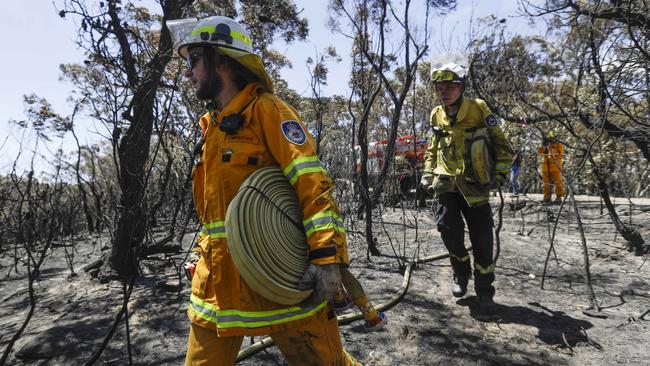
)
(409, 159)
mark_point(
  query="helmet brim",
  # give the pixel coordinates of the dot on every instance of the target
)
(251, 62)
(456, 81)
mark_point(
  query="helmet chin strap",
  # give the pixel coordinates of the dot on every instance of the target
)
(456, 105)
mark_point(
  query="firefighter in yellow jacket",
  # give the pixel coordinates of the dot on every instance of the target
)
(247, 128)
(467, 157)
(552, 154)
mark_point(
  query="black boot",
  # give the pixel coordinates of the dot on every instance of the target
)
(486, 305)
(459, 287)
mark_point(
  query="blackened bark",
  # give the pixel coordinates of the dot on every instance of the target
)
(133, 149)
(631, 235)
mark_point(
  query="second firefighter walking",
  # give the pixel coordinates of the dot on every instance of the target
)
(468, 156)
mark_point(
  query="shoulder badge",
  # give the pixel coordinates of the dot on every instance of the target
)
(293, 132)
(491, 121)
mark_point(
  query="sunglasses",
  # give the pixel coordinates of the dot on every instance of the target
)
(444, 75)
(192, 59)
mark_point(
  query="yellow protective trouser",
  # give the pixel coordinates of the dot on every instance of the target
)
(317, 342)
(549, 178)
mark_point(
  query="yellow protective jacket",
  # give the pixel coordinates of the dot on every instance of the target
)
(272, 134)
(553, 157)
(447, 160)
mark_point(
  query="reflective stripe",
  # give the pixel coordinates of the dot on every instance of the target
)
(503, 167)
(216, 229)
(351, 359)
(450, 165)
(249, 319)
(464, 259)
(300, 166)
(212, 29)
(203, 309)
(241, 37)
(484, 271)
(323, 221)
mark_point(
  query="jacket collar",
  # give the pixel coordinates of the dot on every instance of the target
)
(242, 99)
(462, 112)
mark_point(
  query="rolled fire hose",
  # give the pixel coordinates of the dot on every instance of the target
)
(480, 156)
(266, 237)
(349, 318)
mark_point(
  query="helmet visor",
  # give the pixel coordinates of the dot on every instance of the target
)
(440, 76)
(181, 31)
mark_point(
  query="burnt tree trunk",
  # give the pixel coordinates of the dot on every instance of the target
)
(366, 197)
(97, 194)
(634, 240)
(82, 191)
(164, 182)
(133, 149)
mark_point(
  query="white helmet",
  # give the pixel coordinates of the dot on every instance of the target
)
(450, 72)
(226, 36)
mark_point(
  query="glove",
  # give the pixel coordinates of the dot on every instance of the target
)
(497, 182)
(324, 279)
(426, 182)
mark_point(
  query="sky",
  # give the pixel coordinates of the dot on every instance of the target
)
(36, 41)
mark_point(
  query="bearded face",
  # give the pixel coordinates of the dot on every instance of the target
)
(201, 71)
(209, 87)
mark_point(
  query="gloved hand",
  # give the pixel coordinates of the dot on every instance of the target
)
(426, 182)
(324, 279)
(497, 182)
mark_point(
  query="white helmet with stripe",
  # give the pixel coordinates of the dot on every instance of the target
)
(449, 67)
(224, 34)
(450, 72)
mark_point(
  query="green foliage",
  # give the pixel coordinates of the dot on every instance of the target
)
(122, 43)
(42, 118)
(589, 79)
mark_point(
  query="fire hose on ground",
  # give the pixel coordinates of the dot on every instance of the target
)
(351, 317)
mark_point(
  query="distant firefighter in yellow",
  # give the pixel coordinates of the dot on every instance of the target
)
(552, 153)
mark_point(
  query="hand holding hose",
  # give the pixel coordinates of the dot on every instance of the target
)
(426, 183)
(325, 279)
(497, 182)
